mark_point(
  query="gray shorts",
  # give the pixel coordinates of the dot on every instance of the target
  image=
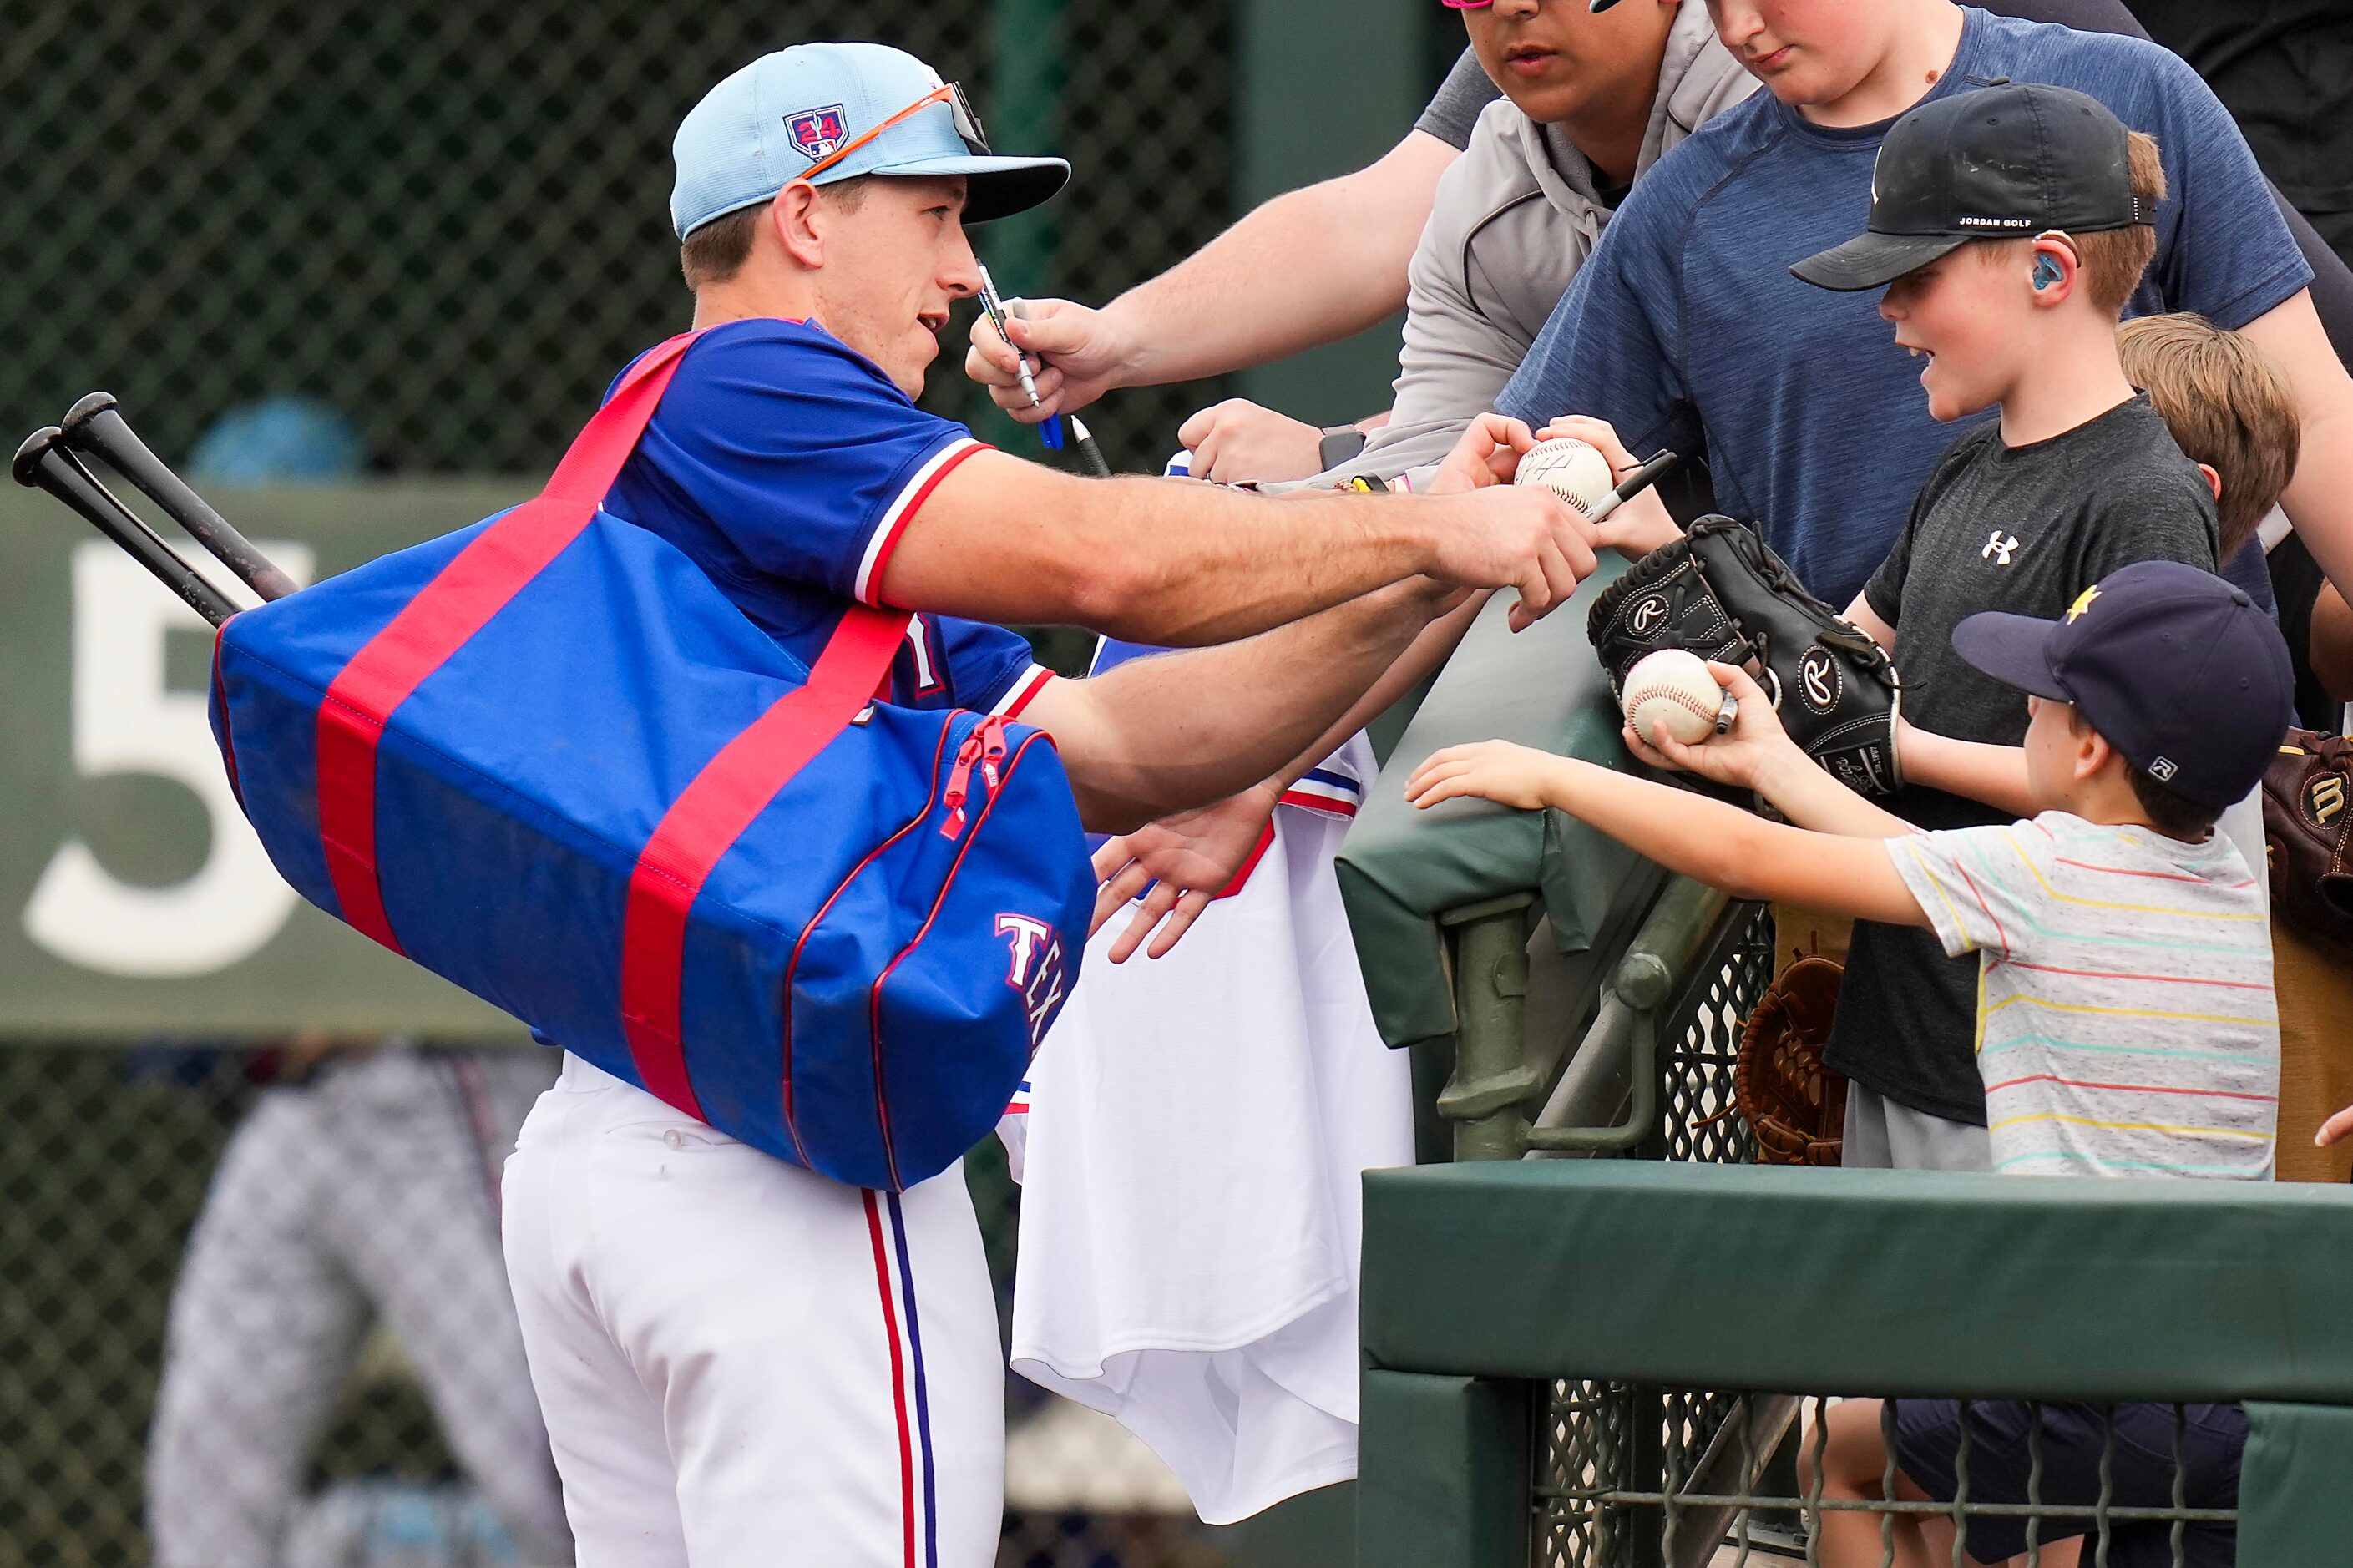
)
(1882, 1135)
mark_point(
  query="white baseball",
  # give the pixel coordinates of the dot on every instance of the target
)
(1674, 685)
(1572, 470)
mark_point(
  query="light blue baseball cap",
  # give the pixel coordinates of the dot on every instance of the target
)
(759, 129)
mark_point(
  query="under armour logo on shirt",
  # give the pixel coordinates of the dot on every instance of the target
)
(1998, 548)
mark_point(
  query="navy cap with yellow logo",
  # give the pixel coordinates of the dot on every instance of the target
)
(2177, 668)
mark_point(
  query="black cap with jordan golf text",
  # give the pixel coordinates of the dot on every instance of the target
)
(2177, 668)
(2009, 162)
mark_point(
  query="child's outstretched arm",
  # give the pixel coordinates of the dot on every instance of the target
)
(1972, 769)
(1759, 754)
(1708, 840)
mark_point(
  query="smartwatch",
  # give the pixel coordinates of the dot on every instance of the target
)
(1340, 443)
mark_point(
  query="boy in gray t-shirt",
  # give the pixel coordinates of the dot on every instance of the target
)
(2008, 228)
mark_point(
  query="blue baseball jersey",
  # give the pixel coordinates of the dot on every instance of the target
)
(787, 465)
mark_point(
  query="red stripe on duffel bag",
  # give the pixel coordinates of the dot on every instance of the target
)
(704, 822)
(460, 601)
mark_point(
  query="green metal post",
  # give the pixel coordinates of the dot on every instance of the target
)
(1487, 1098)
(1443, 1472)
(2294, 1488)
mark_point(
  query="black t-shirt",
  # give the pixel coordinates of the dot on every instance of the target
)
(2023, 529)
(2284, 70)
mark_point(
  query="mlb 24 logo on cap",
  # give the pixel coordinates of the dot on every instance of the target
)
(816, 132)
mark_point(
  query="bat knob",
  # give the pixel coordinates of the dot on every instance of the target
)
(89, 408)
(33, 454)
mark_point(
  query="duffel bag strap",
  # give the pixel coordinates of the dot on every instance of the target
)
(714, 811)
(475, 585)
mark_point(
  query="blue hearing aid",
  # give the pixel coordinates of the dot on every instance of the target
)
(2047, 271)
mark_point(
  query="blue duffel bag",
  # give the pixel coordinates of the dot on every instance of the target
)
(547, 758)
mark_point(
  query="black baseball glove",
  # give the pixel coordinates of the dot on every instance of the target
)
(1719, 592)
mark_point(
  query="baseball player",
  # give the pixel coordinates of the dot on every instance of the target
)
(363, 1180)
(738, 1360)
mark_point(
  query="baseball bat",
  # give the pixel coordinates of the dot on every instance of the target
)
(44, 463)
(96, 425)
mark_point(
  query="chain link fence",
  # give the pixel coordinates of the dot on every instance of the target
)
(451, 223)
(1593, 1438)
(256, 1315)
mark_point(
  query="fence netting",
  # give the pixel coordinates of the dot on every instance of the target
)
(256, 1316)
(450, 223)
(1744, 1480)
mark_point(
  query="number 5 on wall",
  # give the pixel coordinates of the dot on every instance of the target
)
(126, 720)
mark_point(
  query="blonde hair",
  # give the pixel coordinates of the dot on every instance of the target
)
(2111, 261)
(2227, 404)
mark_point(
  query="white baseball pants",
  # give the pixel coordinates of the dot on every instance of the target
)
(741, 1362)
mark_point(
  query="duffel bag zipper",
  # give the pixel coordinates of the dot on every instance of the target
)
(984, 747)
(874, 996)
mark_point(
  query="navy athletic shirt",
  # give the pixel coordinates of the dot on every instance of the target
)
(787, 464)
(1684, 328)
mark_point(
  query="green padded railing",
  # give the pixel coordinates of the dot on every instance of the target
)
(1537, 970)
(1486, 1285)
(1489, 938)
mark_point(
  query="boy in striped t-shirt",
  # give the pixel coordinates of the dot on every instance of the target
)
(2126, 1024)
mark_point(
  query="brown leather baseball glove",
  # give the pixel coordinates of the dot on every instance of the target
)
(2307, 821)
(1791, 1099)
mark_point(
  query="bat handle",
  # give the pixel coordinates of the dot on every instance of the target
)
(44, 463)
(96, 425)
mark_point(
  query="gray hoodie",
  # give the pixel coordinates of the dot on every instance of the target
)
(1515, 217)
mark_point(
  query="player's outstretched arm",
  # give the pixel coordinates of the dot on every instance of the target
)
(1309, 266)
(1704, 839)
(1166, 734)
(1190, 857)
(1184, 565)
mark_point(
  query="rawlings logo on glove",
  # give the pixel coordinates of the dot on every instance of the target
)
(1719, 592)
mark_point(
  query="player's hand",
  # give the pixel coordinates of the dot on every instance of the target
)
(1189, 858)
(1083, 356)
(1238, 443)
(1745, 756)
(1493, 770)
(1514, 536)
(1487, 453)
(1642, 524)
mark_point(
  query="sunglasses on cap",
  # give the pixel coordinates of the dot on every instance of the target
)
(967, 126)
